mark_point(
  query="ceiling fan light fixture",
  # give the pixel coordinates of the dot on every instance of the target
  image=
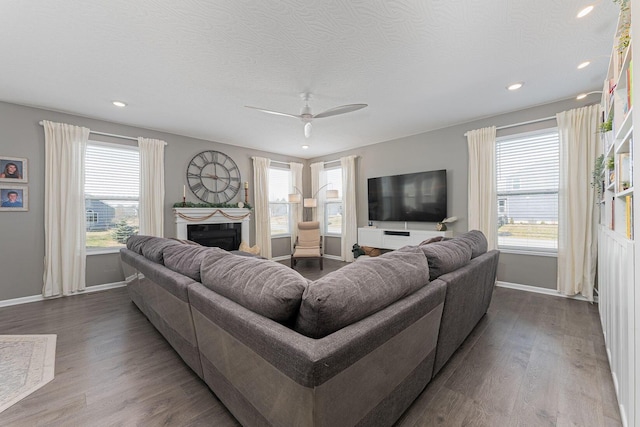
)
(584, 12)
(307, 130)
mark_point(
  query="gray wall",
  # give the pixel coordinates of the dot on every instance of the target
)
(447, 149)
(22, 233)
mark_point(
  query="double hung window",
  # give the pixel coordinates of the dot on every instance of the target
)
(111, 194)
(279, 208)
(527, 175)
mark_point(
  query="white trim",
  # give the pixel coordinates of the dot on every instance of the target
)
(336, 257)
(88, 289)
(539, 290)
(281, 258)
(531, 252)
(104, 251)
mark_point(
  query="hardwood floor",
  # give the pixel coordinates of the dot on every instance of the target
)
(533, 360)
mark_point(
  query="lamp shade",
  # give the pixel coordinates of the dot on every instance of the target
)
(310, 203)
(332, 194)
(294, 198)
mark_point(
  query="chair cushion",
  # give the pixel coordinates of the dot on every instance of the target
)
(446, 256)
(263, 286)
(307, 252)
(360, 289)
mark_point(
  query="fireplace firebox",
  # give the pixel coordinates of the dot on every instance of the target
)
(226, 236)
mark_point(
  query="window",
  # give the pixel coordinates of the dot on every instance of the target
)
(111, 188)
(527, 174)
(279, 212)
(333, 207)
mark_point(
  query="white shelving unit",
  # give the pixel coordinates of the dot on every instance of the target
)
(617, 253)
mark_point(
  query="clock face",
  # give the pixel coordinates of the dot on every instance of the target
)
(213, 177)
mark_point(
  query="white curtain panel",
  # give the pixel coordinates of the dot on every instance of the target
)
(577, 209)
(151, 186)
(482, 203)
(316, 179)
(64, 210)
(349, 214)
(261, 208)
(296, 208)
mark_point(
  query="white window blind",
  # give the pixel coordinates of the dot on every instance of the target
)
(527, 174)
(112, 186)
(333, 207)
(279, 212)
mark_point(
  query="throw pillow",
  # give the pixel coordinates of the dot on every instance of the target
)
(360, 289)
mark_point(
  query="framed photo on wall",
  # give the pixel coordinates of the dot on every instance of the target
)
(13, 169)
(14, 198)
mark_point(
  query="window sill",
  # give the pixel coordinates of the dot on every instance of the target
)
(281, 236)
(528, 252)
(104, 251)
(333, 235)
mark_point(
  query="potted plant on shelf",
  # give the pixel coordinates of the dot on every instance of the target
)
(611, 164)
(597, 176)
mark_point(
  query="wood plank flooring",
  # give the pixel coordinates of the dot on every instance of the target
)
(533, 360)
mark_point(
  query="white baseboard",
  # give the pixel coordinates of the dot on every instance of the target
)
(34, 298)
(286, 257)
(336, 257)
(539, 290)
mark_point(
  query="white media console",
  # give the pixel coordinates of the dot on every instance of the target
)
(385, 238)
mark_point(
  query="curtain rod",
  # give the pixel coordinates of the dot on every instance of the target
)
(113, 135)
(544, 119)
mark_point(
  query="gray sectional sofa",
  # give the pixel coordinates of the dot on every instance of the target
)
(355, 347)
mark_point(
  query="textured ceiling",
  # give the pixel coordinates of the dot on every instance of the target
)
(190, 67)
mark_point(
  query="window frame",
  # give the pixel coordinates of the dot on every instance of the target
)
(516, 184)
(123, 147)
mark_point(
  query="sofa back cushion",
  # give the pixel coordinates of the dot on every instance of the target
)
(150, 247)
(446, 256)
(186, 258)
(359, 289)
(135, 242)
(476, 241)
(263, 286)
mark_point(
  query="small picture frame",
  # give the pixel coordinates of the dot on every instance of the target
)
(14, 198)
(13, 169)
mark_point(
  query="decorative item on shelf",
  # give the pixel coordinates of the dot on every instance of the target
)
(246, 192)
(212, 205)
(184, 196)
(606, 126)
(442, 225)
(597, 176)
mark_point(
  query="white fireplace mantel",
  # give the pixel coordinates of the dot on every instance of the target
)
(188, 216)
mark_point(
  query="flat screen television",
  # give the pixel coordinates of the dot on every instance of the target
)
(420, 196)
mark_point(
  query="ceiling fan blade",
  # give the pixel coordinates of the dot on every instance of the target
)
(339, 110)
(277, 113)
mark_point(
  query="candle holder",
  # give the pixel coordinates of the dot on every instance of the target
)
(246, 193)
(184, 201)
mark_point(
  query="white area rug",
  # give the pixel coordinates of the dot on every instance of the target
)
(27, 362)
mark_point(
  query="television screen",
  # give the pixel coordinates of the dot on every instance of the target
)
(420, 196)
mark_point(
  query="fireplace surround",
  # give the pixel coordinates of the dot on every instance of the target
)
(229, 226)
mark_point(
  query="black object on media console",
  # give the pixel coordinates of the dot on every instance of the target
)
(397, 233)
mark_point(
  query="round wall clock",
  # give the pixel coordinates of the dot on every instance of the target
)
(213, 177)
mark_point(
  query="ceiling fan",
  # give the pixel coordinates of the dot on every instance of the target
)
(306, 116)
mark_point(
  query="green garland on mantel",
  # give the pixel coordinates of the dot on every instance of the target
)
(210, 205)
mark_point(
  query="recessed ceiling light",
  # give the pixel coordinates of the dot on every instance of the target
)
(119, 104)
(583, 64)
(584, 12)
(305, 147)
(515, 86)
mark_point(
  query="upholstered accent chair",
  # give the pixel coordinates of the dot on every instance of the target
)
(308, 244)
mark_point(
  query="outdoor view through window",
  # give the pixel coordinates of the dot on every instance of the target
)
(111, 194)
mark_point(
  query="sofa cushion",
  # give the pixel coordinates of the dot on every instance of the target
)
(446, 256)
(476, 241)
(186, 258)
(135, 242)
(359, 289)
(263, 286)
(153, 248)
